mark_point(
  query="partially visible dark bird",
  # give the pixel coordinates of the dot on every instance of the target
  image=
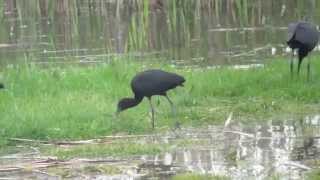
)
(149, 83)
(304, 37)
(1, 86)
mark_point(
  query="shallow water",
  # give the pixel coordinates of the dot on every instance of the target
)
(286, 149)
(190, 33)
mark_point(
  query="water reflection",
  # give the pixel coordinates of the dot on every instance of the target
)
(286, 149)
(218, 32)
(242, 152)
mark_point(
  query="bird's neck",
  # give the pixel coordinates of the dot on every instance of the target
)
(133, 102)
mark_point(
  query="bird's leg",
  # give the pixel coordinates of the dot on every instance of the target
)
(152, 113)
(291, 63)
(308, 69)
(299, 64)
(171, 104)
(173, 109)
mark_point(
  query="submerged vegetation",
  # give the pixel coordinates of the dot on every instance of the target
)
(57, 103)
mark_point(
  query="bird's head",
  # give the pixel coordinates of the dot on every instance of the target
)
(182, 81)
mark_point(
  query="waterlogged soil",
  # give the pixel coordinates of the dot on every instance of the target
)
(284, 149)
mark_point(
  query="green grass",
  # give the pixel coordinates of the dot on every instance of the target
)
(113, 148)
(313, 175)
(191, 176)
(68, 173)
(118, 149)
(78, 103)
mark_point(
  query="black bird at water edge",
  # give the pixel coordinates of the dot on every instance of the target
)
(149, 83)
(303, 36)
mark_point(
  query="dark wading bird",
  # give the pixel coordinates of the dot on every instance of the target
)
(149, 83)
(304, 37)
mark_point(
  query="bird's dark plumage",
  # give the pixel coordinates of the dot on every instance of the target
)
(149, 83)
(155, 82)
(304, 37)
(1, 86)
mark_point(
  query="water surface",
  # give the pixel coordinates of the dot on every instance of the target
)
(195, 33)
(286, 149)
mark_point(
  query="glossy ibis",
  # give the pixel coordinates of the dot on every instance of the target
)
(149, 83)
(304, 37)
